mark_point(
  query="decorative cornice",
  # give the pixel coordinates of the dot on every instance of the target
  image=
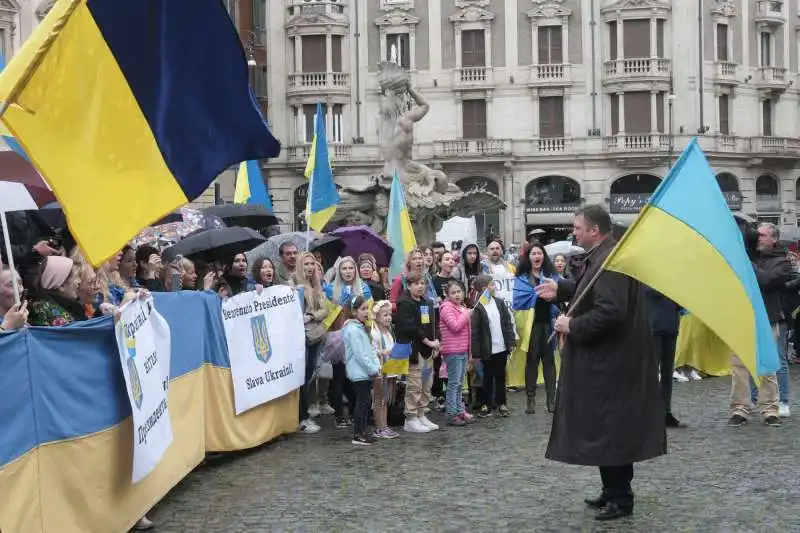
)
(397, 17)
(724, 8)
(314, 19)
(472, 13)
(549, 9)
(622, 5)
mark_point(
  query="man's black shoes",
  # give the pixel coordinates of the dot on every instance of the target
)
(613, 511)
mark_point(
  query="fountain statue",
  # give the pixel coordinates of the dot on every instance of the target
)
(430, 196)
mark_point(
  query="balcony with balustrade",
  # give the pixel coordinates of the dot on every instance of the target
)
(771, 79)
(551, 145)
(466, 148)
(477, 77)
(725, 73)
(775, 145)
(770, 12)
(336, 151)
(625, 142)
(647, 69)
(316, 7)
(317, 84)
(550, 75)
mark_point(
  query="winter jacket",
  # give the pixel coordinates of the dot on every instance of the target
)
(773, 270)
(410, 327)
(456, 328)
(481, 346)
(361, 361)
(664, 313)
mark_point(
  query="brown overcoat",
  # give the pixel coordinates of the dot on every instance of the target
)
(609, 410)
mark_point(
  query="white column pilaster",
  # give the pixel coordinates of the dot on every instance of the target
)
(653, 112)
(458, 45)
(412, 47)
(621, 113)
(298, 53)
(565, 40)
(435, 37)
(488, 44)
(328, 52)
(620, 50)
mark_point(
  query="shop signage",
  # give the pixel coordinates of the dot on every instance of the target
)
(628, 203)
(551, 208)
(734, 199)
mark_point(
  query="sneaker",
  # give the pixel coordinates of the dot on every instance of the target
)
(484, 412)
(695, 376)
(457, 421)
(680, 378)
(386, 433)
(783, 410)
(415, 425)
(325, 409)
(772, 421)
(309, 427)
(468, 418)
(341, 422)
(503, 410)
(362, 440)
(313, 410)
(144, 524)
(427, 423)
(737, 421)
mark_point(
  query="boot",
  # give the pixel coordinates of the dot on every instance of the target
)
(551, 405)
(531, 406)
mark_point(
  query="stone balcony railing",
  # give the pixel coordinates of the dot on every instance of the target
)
(318, 82)
(774, 145)
(636, 68)
(771, 77)
(637, 143)
(552, 145)
(317, 7)
(472, 76)
(769, 11)
(471, 147)
(336, 151)
(550, 74)
(725, 71)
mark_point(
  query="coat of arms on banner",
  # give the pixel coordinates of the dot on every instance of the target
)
(136, 384)
(261, 338)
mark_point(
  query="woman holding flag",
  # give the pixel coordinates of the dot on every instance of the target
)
(537, 327)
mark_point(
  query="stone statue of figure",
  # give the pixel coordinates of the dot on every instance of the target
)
(393, 55)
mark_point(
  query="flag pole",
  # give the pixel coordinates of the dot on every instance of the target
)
(308, 210)
(10, 256)
(31, 68)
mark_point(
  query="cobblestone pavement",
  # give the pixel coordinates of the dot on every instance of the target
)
(493, 477)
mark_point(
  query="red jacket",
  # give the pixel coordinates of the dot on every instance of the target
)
(456, 328)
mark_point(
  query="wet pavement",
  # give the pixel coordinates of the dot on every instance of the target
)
(492, 476)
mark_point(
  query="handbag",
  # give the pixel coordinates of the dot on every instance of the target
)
(315, 332)
(332, 348)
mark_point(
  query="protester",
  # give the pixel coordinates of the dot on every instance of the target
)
(456, 338)
(315, 311)
(468, 270)
(414, 327)
(367, 269)
(56, 301)
(288, 265)
(444, 274)
(495, 263)
(492, 340)
(560, 264)
(188, 274)
(127, 269)
(429, 259)
(609, 411)
(665, 322)
(384, 385)
(438, 249)
(415, 263)
(534, 267)
(235, 275)
(148, 269)
(263, 272)
(12, 315)
(362, 366)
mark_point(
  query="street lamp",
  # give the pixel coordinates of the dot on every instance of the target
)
(670, 101)
(249, 46)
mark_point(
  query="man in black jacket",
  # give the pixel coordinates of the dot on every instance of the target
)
(772, 268)
(665, 320)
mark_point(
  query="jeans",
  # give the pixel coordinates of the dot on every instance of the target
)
(541, 350)
(363, 392)
(456, 369)
(665, 357)
(312, 351)
(494, 380)
(783, 372)
(339, 388)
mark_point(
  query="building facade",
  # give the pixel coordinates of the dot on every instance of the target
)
(548, 103)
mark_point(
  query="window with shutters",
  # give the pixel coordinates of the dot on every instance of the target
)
(398, 49)
(335, 129)
(260, 81)
(766, 114)
(551, 116)
(765, 44)
(307, 121)
(722, 42)
(474, 119)
(336, 53)
(637, 113)
(314, 55)
(660, 112)
(550, 45)
(636, 38)
(660, 37)
(724, 116)
(612, 40)
(473, 48)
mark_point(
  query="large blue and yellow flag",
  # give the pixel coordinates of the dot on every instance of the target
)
(250, 186)
(322, 194)
(686, 245)
(399, 231)
(129, 110)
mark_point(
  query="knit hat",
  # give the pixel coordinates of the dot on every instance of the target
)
(56, 272)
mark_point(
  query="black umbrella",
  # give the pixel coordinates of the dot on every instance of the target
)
(243, 215)
(330, 247)
(215, 244)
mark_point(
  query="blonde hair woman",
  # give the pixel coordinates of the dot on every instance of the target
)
(346, 283)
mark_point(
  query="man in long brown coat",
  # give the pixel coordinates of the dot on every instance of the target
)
(609, 411)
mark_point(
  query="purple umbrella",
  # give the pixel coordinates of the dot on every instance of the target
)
(364, 240)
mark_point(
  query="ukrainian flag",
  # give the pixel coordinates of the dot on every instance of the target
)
(399, 231)
(250, 186)
(397, 364)
(129, 110)
(685, 244)
(322, 194)
(485, 297)
(9, 139)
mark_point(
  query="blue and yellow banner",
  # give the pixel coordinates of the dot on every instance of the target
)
(132, 100)
(399, 231)
(251, 188)
(323, 197)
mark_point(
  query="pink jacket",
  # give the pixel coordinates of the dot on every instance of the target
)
(456, 329)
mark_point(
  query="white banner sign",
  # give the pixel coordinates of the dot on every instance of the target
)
(266, 345)
(504, 289)
(143, 339)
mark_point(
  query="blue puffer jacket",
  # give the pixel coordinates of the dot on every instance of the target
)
(361, 361)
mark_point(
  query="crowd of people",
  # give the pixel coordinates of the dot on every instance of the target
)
(382, 354)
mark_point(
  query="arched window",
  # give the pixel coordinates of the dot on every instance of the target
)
(300, 199)
(730, 190)
(488, 223)
(630, 193)
(552, 194)
(768, 198)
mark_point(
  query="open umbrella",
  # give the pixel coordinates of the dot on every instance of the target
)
(20, 196)
(245, 215)
(330, 247)
(271, 248)
(565, 248)
(364, 240)
(215, 244)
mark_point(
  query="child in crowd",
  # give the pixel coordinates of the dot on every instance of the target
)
(456, 337)
(492, 340)
(362, 366)
(384, 385)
